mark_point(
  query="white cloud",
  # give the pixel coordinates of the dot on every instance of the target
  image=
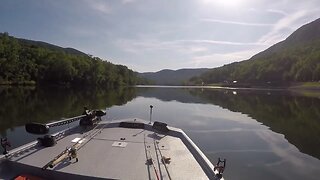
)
(188, 53)
(222, 42)
(277, 12)
(235, 22)
(100, 6)
(127, 1)
(220, 59)
(198, 49)
(136, 46)
(285, 23)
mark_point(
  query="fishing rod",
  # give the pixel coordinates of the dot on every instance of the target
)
(39, 128)
(149, 158)
(71, 152)
(163, 159)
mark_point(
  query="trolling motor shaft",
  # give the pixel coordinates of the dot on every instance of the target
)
(150, 113)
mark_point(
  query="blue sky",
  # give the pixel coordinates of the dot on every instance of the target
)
(150, 35)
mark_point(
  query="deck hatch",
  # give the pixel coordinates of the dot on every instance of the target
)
(119, 144)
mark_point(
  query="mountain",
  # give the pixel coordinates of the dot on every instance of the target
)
(171, 77)
(296, 59)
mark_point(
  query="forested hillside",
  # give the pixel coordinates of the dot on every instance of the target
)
(296, 59)
(32, 62)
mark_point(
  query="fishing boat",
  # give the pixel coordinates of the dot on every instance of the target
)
(98, 148)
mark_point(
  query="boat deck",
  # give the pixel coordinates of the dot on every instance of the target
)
(113, 152)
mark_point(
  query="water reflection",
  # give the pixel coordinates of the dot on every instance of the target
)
(261, 133)
(293, 115)
(22, 105)
(297, 117)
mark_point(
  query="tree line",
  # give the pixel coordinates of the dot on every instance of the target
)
(28, 63)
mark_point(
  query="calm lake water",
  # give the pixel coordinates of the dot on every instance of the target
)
(263, 134)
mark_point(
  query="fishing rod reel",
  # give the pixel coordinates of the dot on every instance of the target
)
(72, 153)
(220, 167)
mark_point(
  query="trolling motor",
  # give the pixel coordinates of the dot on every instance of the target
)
(89, 117)
(160, 126)
(220, 166)
(39, 128)
(5, 143)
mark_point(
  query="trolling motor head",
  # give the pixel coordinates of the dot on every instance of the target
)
(100, 113)
(91, 117)
(97, 112)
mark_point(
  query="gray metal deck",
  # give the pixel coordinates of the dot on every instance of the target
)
(117, 153)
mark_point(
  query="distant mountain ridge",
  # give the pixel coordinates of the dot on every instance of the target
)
(67, 50)
(296, 59)
(172, 77)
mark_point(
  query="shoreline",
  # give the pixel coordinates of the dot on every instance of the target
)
(303, 86)
(312, 86)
